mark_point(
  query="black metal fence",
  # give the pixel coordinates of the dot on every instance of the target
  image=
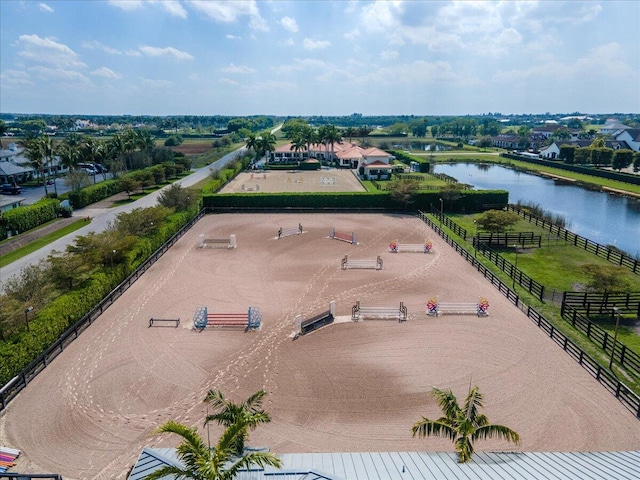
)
(20, 381)
(603, 303)
(606, 378)
(612, 255)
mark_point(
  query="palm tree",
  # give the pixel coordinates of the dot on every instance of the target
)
(331, 135)
(350, 132)
(218, 463)
(252, 143)
(266, 144)
(249, 413)
(298, 143)
(48, 151)
(463, 426)
(36, 156)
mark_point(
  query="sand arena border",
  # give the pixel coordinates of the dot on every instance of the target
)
(347, 387)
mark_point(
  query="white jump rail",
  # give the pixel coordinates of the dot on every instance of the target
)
(359, 312)
(459, 308)
(395, 247)
(228, 243)
(343, 236)
(287, 232)
(351, 264)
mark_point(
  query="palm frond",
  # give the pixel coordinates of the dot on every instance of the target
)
(254, 402)
(497, 431)
(473, 403)
(260, 459)
(447, 401)
(426, 428)
(215, 398)
(176, 472)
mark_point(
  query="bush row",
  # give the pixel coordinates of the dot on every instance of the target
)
(52, 320)
(424, 165)
(466, 201)
(22, 219)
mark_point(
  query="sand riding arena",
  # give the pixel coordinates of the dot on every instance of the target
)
(349, 386)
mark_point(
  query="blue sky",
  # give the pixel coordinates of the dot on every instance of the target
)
(188, 57)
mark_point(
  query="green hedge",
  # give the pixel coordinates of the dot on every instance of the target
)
(25, 218)
(470, 201)
(94, 193)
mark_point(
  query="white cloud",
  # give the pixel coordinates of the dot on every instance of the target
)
(289, 24)
(45, 8)
(309, 44)
(106, 73)
(95, 45)
(174, 8)
(241, 69)
(228, 81)
(382, 16)
(48, 51)
(127, 5)
(229, 11)
(15, 77)
(301, 65)
(288, 42)
(52, 74)
(155, 84)
(158, 52)
(233, 37)
(352, 34)
(389, 54)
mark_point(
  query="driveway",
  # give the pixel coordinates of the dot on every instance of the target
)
(102, 217)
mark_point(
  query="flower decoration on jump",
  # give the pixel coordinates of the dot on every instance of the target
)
(432, 306)
(427, 246)
(483, 306)
(393, 246)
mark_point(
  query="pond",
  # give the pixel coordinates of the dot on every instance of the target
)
(604, 218)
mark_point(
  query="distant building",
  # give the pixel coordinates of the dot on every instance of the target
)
(346, 155)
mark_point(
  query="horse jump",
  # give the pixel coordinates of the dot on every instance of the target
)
(217, 242)
(162, 321)
(258, 177)
(251, 320)
(395, 247)
(436, 308)
(289, 231)
(359, 312)
(346, 263)
(325, 318)
(345, 237)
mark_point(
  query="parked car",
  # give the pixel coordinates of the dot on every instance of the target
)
(10, 189)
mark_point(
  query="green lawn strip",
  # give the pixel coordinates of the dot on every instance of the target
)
(204, 159)
(41, 242)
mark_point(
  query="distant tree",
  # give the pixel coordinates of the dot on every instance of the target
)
(177, 198)
(435, 129)
(484, 142)
(158, 174)
(606, 278)
(575, 123)
(403, 191)
(3, 130)
(419, 127)
(636, 162)
(67, 269)
(497, 220)
(523, 133)
(622, 159)
(350, 132)
(568, 153)
(76, 180)
(140, 222)
(463, 425)
(129, 185)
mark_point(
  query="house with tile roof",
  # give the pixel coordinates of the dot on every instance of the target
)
(346, 155)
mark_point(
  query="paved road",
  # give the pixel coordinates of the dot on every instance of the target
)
(102, 217)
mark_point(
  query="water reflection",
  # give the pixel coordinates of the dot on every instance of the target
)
(604, 218)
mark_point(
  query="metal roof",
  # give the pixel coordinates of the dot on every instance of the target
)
(427, 466)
